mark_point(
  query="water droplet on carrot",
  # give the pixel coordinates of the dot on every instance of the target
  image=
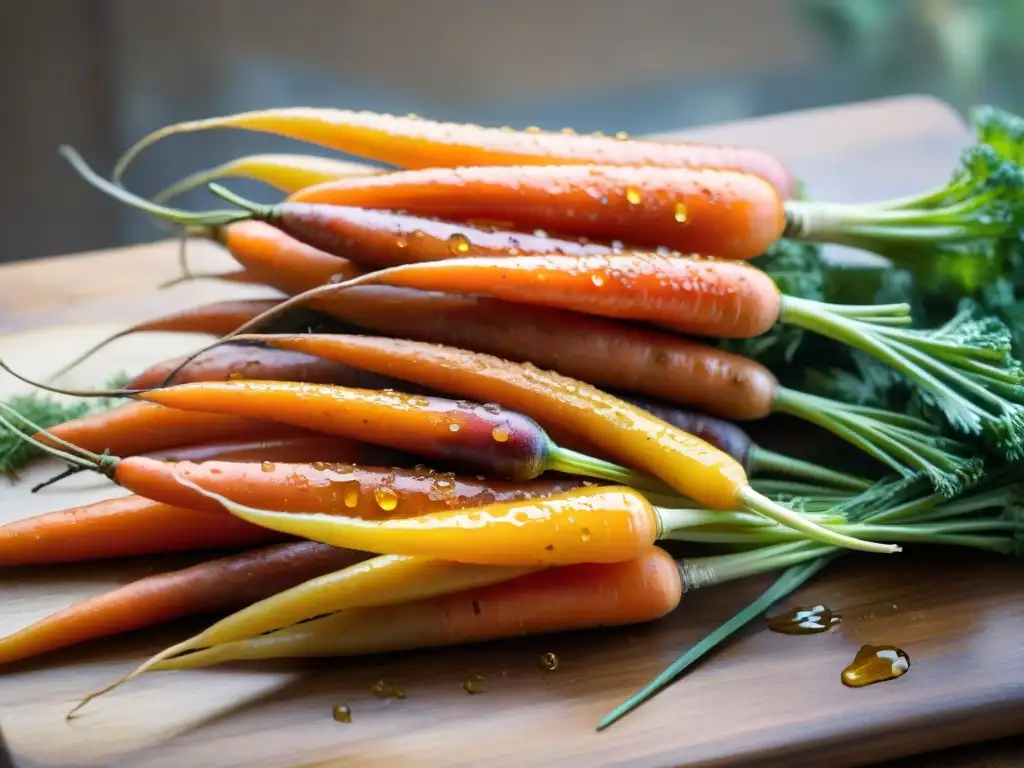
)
(597, 279)
(401, 242)
(500, 434)
(319, 466)
(569, 131)
(454, 427)
(412, 116)
(532, 129)
(585, 535)
(386, 499)
(681, 214)
(458, 244)
(342, 713)
(473, 685)
(622, 136)
(382, 689)
(633, 196)
(493, 408)
(549, 661)
(351, 497)
(540, 233)
(267, 466)
(236, 376)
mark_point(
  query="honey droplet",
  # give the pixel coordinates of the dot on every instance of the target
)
(342, 713)
(681, 214)
(633, 196)
(803, 621)
(351, 498)
(454, 427)
(500, 434)
(267, 466)
(597, 280)
(458, 244)
(622, 136)
(473, 685)
(875, 664)
(386, 499)
(382, 689)
(585, 535)
(549, 661)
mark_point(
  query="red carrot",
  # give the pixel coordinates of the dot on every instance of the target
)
(165, 516)
(238, 361)
(214, 586)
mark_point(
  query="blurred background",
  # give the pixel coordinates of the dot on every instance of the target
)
(100, 74)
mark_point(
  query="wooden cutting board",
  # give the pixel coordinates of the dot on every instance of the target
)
(764, 699)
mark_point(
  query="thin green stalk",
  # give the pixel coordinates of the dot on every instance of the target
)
(571, 462)
(755, 502)
(790, 581)
(763, 461)
(209, 218)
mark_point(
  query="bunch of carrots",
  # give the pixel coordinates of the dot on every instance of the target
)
(505, 369)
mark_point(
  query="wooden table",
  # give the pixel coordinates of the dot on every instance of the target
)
(763, 699)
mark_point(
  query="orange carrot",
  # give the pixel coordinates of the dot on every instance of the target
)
(720, 299)
(214, 586)
(367, 492)
(122, 527)
(411, 142)
(270, 256)
(717, 213)
(582, 596)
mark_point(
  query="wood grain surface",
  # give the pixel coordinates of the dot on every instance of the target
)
(762, 700)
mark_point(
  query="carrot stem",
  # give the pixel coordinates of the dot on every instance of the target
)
(210, 218)
(903, 443)
(761, 460)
